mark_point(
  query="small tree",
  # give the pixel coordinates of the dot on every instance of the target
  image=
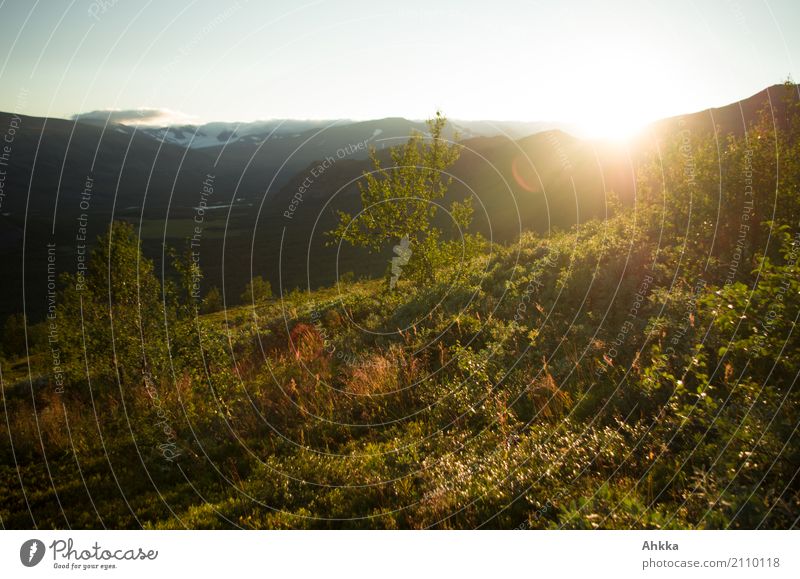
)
(112, 323)
(400, 202)
(213, 301)
(258, 291)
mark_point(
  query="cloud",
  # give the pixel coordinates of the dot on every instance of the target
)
(157, 117)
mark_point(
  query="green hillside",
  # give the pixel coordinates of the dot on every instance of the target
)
(635, 371)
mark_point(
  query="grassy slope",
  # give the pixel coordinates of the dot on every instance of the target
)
(529, 389)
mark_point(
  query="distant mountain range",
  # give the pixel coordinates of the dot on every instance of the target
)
(524, 176)
(255, 133)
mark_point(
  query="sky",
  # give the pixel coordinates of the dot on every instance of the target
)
(606, 66)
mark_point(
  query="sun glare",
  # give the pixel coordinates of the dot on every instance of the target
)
(614, 115)
(611, 126)
(618, 100)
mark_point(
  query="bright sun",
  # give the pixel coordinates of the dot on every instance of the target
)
(610, 124)
(617, 101)
(615, 115)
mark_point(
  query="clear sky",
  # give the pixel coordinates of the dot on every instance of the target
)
(599, 64)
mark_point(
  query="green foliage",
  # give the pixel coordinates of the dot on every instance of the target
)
(213, 301)
(113, 321)
(257, 291)
(401, 201)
